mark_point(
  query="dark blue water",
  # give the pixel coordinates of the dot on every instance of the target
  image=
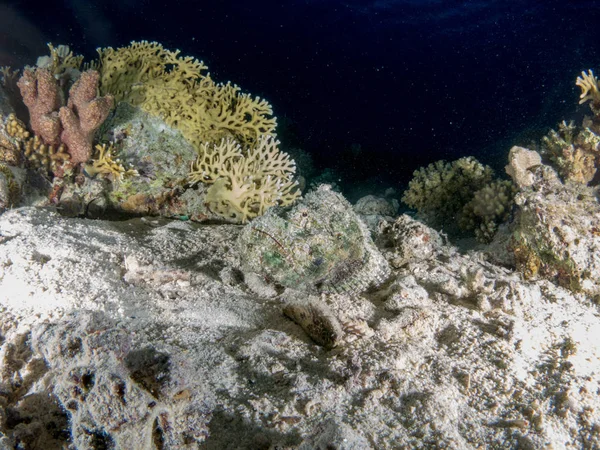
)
(409, 81)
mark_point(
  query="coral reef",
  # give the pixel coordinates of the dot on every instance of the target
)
(170, 334)
(553, 233)
(463, 193)
(573, 151)
(177, 89)
(490, 206)
(245, 182)
(320, 245)
(107, 164)
(67, 114)
(440, 191)
(143, 170)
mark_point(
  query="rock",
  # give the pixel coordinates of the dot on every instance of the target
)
(556, 233)
(520, 163)
(141, 333)
(372, 210)
(333, 433)
(159, 160)
(407, 240)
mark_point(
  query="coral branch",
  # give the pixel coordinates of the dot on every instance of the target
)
(41, 96)
(83, 115)
(589, 87)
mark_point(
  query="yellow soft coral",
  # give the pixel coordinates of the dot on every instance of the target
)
(107, 165)
(179, 90)
(245, 182)
(589, 87)
(61, 59)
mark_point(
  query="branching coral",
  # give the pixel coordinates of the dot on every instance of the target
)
(16, 142)
(245, 182)
(105, 163)
(439, 191)
(48, 157)
(573, 151)
(8, 76)
(179, 90)
(489, 207)
(60, 60)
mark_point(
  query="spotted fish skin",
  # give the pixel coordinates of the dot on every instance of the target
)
(319, 246)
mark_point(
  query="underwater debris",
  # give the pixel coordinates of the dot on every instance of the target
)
(318, 245)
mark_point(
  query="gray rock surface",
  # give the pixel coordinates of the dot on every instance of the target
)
(144, 334)
(556, 233)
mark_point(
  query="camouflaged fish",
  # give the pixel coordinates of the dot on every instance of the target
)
(319, 245)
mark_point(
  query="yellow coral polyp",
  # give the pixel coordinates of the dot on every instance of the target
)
(105, 164)
(245, 183)
(589, 87)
